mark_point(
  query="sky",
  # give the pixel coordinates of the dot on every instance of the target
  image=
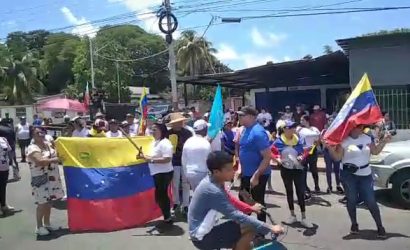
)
(250, 43)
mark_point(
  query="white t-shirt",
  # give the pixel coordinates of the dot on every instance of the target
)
(308, 135)
(114, 134)
(194, 154)
(357, 151)
(216, 143)
(134, 129)
(82, 133)
(23, 131)
(162, 148)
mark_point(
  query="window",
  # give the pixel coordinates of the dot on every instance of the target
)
(20, 112)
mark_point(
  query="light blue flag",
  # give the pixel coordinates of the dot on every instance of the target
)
(216, 118)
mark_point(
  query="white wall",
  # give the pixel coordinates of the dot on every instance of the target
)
(12, 112)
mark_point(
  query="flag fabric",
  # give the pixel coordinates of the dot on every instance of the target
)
(144, 112)
(107, 187)
(86, 97)
(216, 118)
(361, 108)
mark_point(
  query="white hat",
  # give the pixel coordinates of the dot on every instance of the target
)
(200, 125)
(316, 107)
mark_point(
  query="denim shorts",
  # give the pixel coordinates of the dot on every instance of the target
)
(224, 235)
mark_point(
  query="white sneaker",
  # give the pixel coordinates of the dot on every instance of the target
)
(52, 227)
(292, 219)
(42, 231)
(306, 223)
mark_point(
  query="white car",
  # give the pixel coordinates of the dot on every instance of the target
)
(392, 166)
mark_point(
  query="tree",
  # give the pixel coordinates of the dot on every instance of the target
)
(327, 49)
(20, 79)
(194, 54)
(111, 89)
(308, 57)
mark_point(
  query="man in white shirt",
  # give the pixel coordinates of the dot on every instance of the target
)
(194, 154)
(114, 132)
(23, 136)
(264, 118)
(133, 126)
(80, 128)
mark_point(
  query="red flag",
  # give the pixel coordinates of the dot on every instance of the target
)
(360, 109)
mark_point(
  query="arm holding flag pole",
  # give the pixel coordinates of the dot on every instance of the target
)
(140, 154)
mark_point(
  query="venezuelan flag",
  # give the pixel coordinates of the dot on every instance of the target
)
(107, 187)
(144, 112)
(361, 108)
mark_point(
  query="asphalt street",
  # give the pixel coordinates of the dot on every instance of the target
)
(329, 217)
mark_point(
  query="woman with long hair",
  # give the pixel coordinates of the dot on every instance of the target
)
(354, 153)
(310, 137)
(161, 169)
(288, 151)
(45, 179)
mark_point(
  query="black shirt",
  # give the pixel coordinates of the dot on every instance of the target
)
(182, 136)
(9, 134)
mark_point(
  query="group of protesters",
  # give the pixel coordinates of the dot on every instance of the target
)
(186, 158)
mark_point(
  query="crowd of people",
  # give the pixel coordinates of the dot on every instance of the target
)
(248, 147)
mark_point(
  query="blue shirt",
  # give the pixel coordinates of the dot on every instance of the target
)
(208, 199)
(253, 140)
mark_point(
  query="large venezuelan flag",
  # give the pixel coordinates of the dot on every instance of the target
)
(361, 108)
(107, 187)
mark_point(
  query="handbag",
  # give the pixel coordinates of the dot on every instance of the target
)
(350, 168)
(38, 181)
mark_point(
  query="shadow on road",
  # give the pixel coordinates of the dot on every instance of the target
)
(384, 197)
(317, 200)
(273, 192)
(372, 235)
(159, 228)
(269, 205)
(11, 213)
(307, 231)
(54, 235)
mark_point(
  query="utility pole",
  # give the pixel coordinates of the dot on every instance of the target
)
(172, 62)
(92, 62)
(118, 82)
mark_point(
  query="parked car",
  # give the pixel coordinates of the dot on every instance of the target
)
(160, 110)
(392, 166)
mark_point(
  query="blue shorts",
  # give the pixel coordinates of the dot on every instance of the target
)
(224, 235)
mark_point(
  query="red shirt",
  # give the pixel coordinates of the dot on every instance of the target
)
(318, 120)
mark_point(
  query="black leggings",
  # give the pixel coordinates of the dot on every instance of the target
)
(4, 176)
(290, 177)
(311, 165)
(162, 181)
(258, 192)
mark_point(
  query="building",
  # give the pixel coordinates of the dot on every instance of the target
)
(272, 86)
(385, 58)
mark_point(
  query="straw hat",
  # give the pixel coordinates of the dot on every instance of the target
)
(175, 118)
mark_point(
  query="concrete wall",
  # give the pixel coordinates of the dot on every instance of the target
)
(386, 62)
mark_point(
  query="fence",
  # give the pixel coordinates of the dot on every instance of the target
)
(396, 102)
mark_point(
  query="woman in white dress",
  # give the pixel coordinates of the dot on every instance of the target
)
(45, 179)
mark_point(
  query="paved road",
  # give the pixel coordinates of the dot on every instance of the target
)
(330, 218)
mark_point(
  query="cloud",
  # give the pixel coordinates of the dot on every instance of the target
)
(143, 13)
(266, 40)
(287, 58)
(226, 52)
(254, 59)
(84, 26)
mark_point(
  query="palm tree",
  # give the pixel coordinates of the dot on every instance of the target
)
(20, 79)
(194, 54)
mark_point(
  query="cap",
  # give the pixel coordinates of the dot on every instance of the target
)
(113, 121)
(124, 124)
(99, 123)
(290, 124)
(23, 117)
(287, 107)
(200, 125)
(99, 114)
(248, 110)
(129, 115)
(316, 107)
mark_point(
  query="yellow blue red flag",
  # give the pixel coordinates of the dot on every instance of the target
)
(361, 108)
(107, 187)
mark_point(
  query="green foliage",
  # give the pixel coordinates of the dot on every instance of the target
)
(388, 32)
(327, 49)
(111, 88)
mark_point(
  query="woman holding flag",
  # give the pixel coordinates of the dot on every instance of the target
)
(346, 141)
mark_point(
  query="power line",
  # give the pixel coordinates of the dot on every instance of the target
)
(133, 60)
